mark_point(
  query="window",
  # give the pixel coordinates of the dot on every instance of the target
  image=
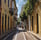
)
(0, 2)
(8, 3)
(5, 1)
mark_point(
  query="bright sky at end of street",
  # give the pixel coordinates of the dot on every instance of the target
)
(19, 4)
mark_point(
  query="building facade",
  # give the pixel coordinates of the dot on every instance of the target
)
(0, 16)
(6, 16)
(36, 18)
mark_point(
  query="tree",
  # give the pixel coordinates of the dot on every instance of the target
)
(28, 8)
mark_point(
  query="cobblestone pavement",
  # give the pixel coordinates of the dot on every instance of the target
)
(21, 36)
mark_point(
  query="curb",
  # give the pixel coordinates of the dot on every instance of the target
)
(35, 35)
(30, 36)
(6, 34)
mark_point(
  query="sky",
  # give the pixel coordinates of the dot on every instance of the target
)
(19, 4)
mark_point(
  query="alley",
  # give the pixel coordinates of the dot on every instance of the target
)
(20, 36)
(20, 19)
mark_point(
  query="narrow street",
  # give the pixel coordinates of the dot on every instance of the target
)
(20, 36)
(20, 19)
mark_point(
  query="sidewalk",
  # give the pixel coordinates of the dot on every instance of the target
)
(35, 35)
(29, 36)
(6, 34)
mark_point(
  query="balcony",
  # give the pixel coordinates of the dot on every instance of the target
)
(15, 18)
(16, 12)
(11, 11)
(12, 0)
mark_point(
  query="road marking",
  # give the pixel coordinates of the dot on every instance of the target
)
(16, 37)
(24, 36)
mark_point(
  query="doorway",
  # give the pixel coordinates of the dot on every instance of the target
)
(8, 23)
(37, 25)
(32, 23)
(2, 24)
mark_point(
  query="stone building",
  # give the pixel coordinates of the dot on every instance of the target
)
(6, 16)
(36, 18)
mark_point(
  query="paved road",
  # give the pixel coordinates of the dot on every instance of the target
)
(20, 36)
(16, 36)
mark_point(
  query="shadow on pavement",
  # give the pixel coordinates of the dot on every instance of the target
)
(14, 33)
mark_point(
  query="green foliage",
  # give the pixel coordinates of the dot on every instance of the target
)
(28, 8)
(18, 23)
(19, 19)
(23, 17)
